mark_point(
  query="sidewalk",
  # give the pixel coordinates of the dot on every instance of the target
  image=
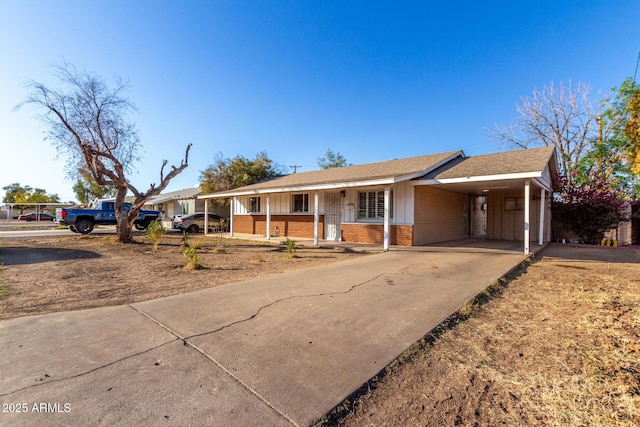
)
(279, 351)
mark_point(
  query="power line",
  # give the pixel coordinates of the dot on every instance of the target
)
(295, 168)
(636, 73)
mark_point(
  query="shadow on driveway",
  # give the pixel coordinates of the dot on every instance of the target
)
(22, 256)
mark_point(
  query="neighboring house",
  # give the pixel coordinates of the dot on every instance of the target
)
(181, 202)
(410, 201)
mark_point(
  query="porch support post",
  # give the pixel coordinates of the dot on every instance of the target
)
(206, 217)
(543, 205)
(316, 218)
(233, 206)
(527, 195)
(387, 199)
(268, 217)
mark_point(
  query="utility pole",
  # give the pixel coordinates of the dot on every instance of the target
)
(295, 168)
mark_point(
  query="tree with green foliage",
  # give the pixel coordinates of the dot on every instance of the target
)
(86, 188)
(613, 156)
(16, 193)
(226, 174)
(86, 120)
(332, 159)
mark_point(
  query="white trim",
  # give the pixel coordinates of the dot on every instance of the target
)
(268, 219)
(206, 218)
(302, 188)
(527, 196)
(231, 212)
(543, 205)
(479, 178)
(387, 211)
(542, 185)
(316, 218)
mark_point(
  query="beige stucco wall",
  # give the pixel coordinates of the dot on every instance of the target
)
(439, 215)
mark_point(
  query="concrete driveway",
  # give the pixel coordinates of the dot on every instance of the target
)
(280, 350)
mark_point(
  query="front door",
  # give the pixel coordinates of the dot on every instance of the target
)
(332, 213)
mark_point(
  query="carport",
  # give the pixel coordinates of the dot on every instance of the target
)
(39, 207)
(516, 190)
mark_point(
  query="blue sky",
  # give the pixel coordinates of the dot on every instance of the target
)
(371, 80)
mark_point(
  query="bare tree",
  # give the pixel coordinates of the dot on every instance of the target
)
(563, 117)
(86, 122)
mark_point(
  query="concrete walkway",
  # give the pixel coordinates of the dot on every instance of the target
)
(278, 351)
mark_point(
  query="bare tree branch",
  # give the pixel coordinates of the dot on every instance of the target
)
(86, 121)
(563, 117)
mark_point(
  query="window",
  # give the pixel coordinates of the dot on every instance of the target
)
(371, 204)
(300, 203)
(514, 203)
(254, 204)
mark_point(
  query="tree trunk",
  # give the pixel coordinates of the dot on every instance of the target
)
(124, 227)
(124, 231)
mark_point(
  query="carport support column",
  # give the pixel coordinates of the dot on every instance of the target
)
(206, 216)
(268, 217)
(527, 206)
(233, 206)
(316, 218)
(387, 212)
(543, 205)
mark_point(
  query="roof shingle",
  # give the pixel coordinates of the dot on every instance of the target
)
(509, 162)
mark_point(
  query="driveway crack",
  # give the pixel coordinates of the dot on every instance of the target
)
(90, 371)
(264, 307)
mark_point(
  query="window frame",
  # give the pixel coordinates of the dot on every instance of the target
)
(371, 205)
(304, 202)
(254, 204)
(513, 203)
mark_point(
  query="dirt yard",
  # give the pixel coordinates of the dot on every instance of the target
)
(47, 275)
(557, 345)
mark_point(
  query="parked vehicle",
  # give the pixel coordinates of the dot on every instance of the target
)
(194, 222)
(33, 216)
(100, 213)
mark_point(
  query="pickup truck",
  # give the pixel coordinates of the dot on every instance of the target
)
(100, 213)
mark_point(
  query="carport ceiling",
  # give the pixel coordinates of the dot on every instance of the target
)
(480, 187)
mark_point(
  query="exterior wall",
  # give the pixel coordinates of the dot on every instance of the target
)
(279, 203)
(402, 203)
(440, 215)
(509, 225)
(374, 233)
(288, 225)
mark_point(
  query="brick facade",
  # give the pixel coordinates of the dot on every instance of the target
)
(374, 233)
(287, 225)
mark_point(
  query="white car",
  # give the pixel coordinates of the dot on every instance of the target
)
(194, 222)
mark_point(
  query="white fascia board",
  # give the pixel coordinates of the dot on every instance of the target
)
(543, 184)
(522, 175)
(311, 187)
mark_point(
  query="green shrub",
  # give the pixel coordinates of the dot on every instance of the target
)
(191, 254)
(291, 247)
(155, 232)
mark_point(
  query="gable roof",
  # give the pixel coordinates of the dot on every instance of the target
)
(379, 173)
(533, 160)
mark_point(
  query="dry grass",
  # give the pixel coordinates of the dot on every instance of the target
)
(559, 346)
